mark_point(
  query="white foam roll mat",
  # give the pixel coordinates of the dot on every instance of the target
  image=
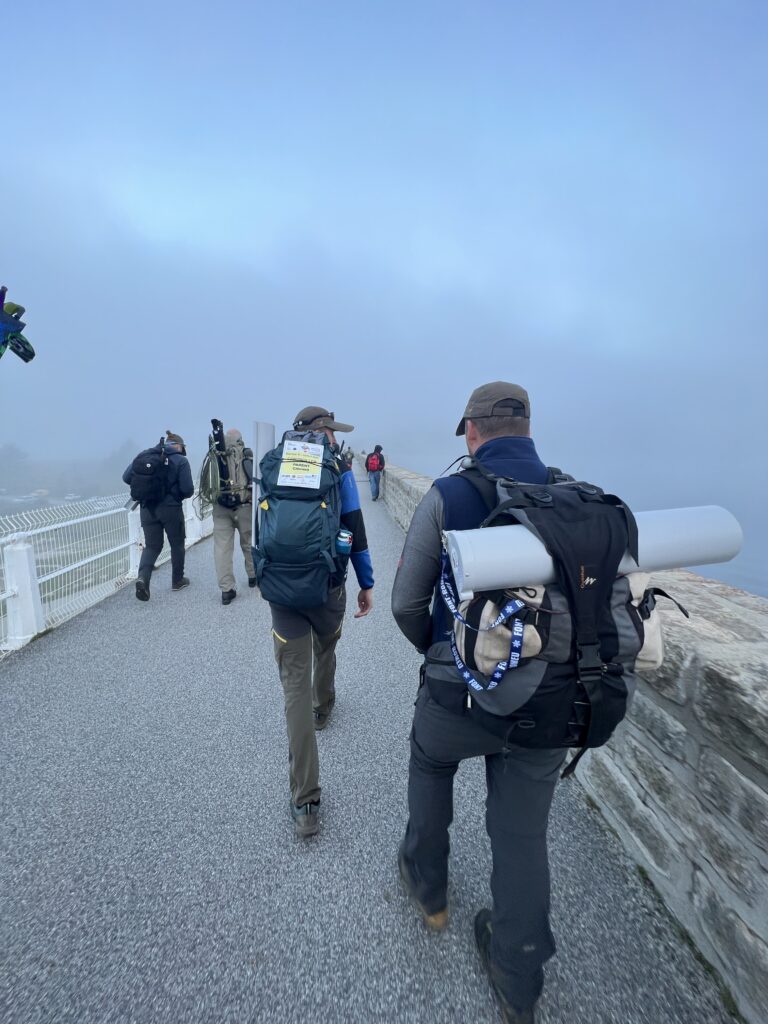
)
(501, 557)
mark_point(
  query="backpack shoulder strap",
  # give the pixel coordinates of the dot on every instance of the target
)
(484, 486)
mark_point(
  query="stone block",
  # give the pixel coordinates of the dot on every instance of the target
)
(732, 705)
(734, 796)
(716, 844)
(612, 791)
(665, 788)
(661, 726)
(740, 616)
(677, 675)
(743, 953)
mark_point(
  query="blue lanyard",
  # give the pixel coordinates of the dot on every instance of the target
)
(449, 597)
(516, 641)
(515, 651)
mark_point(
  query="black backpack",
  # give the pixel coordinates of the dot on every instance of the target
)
(149, 476)
(566, 671)
(296, 558)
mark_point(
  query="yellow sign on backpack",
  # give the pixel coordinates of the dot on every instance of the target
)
(301, 465)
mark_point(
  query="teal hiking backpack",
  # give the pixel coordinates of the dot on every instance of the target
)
(299, 517)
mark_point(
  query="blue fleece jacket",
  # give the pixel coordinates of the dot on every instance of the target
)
(352, 520)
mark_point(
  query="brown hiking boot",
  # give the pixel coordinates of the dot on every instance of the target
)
(435, 922)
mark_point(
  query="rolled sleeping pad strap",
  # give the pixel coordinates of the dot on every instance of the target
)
(503, 557)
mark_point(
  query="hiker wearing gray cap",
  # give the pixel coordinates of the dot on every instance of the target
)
(514, 938)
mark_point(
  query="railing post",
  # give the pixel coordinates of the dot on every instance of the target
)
(192, 524)
(25, 608)
(135, 542)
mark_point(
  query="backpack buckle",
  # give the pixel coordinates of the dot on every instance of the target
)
(589, 662)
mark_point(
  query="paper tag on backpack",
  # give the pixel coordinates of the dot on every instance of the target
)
(301, 465)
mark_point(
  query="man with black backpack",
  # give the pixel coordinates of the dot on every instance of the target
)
(482, 692)
(160, 479)
(310, 527)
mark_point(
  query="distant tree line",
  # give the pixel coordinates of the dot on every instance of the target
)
(88, 472)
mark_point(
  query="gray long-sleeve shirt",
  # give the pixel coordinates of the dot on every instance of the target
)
(419, 571)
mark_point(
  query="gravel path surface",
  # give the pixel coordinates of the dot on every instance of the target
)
(149, 871)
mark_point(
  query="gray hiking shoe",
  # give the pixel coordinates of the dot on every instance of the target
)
(321, 716)
(483, 931)
(180, 584)
(306, 819)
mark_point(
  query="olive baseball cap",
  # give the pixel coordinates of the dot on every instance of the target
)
(496, 399)
(315, 416)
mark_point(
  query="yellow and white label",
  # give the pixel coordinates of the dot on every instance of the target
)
(301, 465)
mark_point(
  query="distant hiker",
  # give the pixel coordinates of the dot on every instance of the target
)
(481, 695)
(232, 507)
(374, 464)
(310, 528)
(160, 479)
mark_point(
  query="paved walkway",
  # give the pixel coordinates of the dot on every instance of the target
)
(148, 868)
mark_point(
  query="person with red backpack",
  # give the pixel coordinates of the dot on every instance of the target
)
(374, 464)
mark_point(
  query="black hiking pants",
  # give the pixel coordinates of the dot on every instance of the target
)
(520, 783)
(156, 521)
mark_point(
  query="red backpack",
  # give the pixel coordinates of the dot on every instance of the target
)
(374, 463)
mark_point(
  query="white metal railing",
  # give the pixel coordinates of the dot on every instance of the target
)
(55, 562)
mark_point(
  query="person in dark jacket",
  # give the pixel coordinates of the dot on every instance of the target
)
(514, 938)
(166, 517)
(374, 465)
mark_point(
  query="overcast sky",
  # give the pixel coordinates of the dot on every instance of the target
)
(239, 209)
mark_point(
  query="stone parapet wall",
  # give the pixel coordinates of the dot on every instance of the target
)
(684, 781)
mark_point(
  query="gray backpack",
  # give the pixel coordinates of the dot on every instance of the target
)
(551, 666)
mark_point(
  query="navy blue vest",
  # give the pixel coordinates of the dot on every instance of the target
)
(464, 509)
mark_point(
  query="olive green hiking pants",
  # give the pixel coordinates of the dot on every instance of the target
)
(305, 651)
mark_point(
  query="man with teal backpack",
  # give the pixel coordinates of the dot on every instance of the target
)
(310, 528)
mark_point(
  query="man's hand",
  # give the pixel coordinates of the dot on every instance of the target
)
(364, 603)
